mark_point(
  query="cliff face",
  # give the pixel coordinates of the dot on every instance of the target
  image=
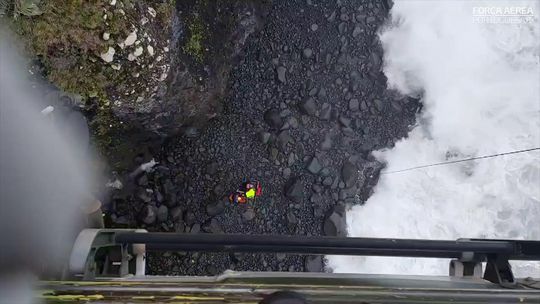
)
(157, 67)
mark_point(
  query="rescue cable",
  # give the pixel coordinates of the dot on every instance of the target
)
(461, 160)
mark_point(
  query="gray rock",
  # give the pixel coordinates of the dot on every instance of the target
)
(349, 173)
(248, 215)
(149, 214)
(326, 111)
(335, 223)
(162, 213)
(357, 31)
(195, 228)
(286, 173)
(264, 137)
(293, 122)
(281, 74)
(189, 218)
(344, 121)
(291, 218)
(142, 180)
(314, 27)
(273, 118)
(354, 105)
(308, 106)
(327, 143)
(314, 166)
(294, 189)
(379, 104)
(176, 213)
(284, 138)
(327, 181)
(313, 263)
(307, 53)
(215, 208)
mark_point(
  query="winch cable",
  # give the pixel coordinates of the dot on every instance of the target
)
(461, 160)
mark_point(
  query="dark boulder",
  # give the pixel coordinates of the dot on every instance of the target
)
(149, 214)
(308, 106)
(313, 263)
(349, 174)
(273, 118)
(335, 222)
(294, 189)
(215, 208)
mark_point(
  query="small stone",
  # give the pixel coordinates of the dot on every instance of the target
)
(149, 214)
(313, 263)
(291, 218)
(264, 137)
(109, 55)
(116, 67)
(314, 166)
(176, 213)
(113, 2)
(286, 173)
(357, 31)
(131, 38)
(131, 57)
(308, 106)
(106, 36)
(354, 105)
(138, 51)
(162, 213)
(281, 74)
(308, 52)
(150, 50)
(152, 12)
(314, 27)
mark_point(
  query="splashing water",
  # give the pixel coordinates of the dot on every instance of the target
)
(480, 88)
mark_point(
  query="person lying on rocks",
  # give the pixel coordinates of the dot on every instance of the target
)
(248, 191)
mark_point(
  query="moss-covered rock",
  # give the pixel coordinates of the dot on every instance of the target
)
(154, 65)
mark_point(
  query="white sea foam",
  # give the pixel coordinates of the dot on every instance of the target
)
(480, 85)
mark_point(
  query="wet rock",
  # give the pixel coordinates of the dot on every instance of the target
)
(273, 118)
(349, 173)
(149, 214)
(294, 189)
(162, 213)
(314, 166)
(313, 263)
(308, 106)
(215, 208)
(280, 71)
(335, 223)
